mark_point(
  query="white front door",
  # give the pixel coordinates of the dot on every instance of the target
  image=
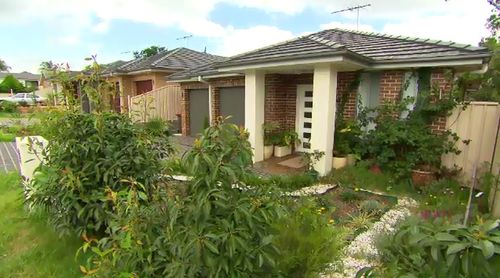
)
(303, 119)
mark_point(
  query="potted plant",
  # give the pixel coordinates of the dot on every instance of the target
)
(340, 152)
(286, 140)
(270, 138)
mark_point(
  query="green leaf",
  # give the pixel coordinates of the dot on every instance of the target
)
(456, 247)
(446, 237)
(487, 248)
(211, 246)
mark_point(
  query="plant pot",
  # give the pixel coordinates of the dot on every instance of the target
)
(281, 151)
(339, 162)
(376, 169)
(23, 109)
(268, 151)
(422, 177)
(351, 159)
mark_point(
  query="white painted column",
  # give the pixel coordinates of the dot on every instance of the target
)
(323, 115)
(254, 111)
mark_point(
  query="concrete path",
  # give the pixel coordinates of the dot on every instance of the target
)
(182, 144)
(9, 160)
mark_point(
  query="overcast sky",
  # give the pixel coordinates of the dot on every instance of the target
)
(70, 30)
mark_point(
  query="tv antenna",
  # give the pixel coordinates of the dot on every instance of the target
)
(357, 8)
(186, 38)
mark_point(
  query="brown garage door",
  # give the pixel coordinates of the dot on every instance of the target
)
(143, 86)
(232, 103)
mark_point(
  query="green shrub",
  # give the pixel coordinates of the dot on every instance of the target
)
(285, 182)
(348, 195)
(88, 157)
(157, 131)
(8, 107)
(212, 230)
(437, 249)
(11, 83)
(372, 207)
(307, 242)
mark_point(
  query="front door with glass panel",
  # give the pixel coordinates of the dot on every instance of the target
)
(303, 122)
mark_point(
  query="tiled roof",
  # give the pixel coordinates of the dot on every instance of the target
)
(175, 59)
(22, 75)
(372, 47)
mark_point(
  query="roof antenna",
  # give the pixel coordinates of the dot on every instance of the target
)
(205, 51)
(357, 8)
(186, 38)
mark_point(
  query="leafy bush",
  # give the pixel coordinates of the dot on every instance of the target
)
(371, 206)
(8, 107)
(157, 131)
(436, 249)
(11, 83)
(285, 182)
(349, 195)
(307, 242)
(211, 230)
(87, 157)
(400, 144)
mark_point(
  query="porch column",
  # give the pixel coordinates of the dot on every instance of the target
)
(254, 111)
(323, 115)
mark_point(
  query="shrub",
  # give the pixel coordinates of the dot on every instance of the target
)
(87, 157)
(436, 249)
(372, 207)
(213, 230)
(8, 107)
(307, 241)
(157, 131)
(349, 195)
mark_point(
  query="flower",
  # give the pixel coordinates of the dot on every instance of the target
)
(331, 221)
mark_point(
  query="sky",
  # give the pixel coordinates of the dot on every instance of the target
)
(68, 31)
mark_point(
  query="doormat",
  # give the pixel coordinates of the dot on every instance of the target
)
(295, 162)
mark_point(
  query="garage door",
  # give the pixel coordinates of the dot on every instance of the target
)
(232, 103)
(198, 110)
(144, 86)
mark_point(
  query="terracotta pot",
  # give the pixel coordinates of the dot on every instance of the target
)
(339, 162)
(23, 109)
(351, 159)
(268, 151)
(422, 178)
(281, 151)
(376, 169)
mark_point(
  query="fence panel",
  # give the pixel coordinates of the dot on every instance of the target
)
(478, 122)
(164, 103)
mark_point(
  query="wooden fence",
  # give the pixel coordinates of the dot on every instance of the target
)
(477, 122)
(164, 103)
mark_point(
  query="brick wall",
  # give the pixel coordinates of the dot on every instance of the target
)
(444, 83)
(391, 83)
(281, 94)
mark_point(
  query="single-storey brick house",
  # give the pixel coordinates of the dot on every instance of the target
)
(142, 75)
(298, 82)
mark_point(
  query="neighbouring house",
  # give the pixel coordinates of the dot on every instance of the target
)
(28, 79)
(143, 75)
(298, 83)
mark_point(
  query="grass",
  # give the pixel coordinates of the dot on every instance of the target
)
(10, 115)
(6, 137)
(28, 245)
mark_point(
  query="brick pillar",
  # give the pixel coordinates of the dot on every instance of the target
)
(344, 83)
(215, 105)
(185, 117)
(440, 81)
(391, 83)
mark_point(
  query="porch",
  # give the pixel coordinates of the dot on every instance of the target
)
(303, 100)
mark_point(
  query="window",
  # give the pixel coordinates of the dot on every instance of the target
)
(410, 89)
(369, 89)
(368, 93)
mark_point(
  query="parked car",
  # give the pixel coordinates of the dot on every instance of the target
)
(28, 98)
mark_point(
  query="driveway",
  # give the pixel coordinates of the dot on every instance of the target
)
(9, 160)
(182, 144)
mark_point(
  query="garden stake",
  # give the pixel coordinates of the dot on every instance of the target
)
(469, 202)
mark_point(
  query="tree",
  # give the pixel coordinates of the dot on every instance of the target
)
(3, 66)
(47, 68)
(11, 83)
(148, 52)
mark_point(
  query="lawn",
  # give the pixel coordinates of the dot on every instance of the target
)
(28, 245)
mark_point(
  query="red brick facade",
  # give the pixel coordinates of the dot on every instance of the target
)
(281, 94)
